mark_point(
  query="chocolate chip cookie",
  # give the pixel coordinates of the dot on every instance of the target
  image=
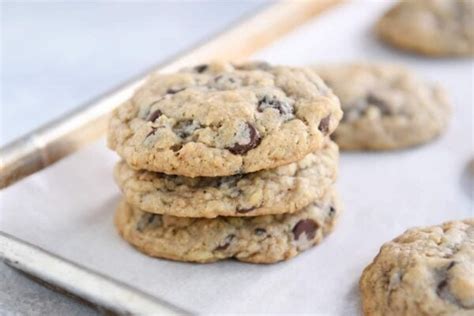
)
(430, 27)
(284, 189)
(385, 106)
(259, 239)
(425, 271)
(220, 120)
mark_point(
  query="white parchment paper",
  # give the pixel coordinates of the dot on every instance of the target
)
(68, 208)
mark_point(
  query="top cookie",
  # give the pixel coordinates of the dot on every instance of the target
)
(430, 27)
(220, 119)
(385, 106)
(425, 271)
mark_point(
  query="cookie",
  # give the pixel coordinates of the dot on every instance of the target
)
(284, 189)
(220, 120)
(259, 239)
(430, 27)
(385, 106)
(425, 271)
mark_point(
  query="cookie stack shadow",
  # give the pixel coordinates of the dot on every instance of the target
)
(221, 162)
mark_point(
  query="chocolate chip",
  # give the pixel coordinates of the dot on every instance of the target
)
(152, 132)
(332, 211)
(260, 231)
(174, 90)
(244, 210)
(154, 116)
(379, 103)
(226, 243)
(224, 82)
(185, 128)
(272, 102)
(253, 141)
(148, 219)
(306, 226)
(201, 68)
(176, 147)
(441, 287)
(324, 125)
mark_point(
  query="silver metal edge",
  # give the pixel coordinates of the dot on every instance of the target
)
(91, 286)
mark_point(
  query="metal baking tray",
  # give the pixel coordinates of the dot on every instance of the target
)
(66, 135)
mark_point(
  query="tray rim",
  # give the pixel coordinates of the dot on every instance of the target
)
(97, 289)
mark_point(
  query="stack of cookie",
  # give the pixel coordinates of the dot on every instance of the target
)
(223, 161)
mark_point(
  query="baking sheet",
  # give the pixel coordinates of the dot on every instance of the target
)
(68, 208)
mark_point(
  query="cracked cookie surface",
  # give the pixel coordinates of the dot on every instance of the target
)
(430, 27)
(285, 189)
(425, 271)
(259, 239)
(385, 106)
(219, 120)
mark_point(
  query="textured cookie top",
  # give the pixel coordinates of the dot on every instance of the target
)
(285, 189)
(425, 271)
(431, 27)
(385, 106)
(220, 119)
(258, 239)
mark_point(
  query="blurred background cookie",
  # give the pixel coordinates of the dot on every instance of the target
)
(430, 27)
(385, 106)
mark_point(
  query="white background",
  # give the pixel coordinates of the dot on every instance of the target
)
(58, 55)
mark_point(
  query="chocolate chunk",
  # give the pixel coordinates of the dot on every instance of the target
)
(152, 132)
(185, 128)
(260, 231)
(272, 102)
(224, 82)
(154, 116)
(441, 288)
(176, 147)
(379, 103)
(146, 220)
(226, 243)
(254, 141)
(244, 210)
(201, 68)
(174, 90)
(451, 264)
(306, 226)
(324, 125)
